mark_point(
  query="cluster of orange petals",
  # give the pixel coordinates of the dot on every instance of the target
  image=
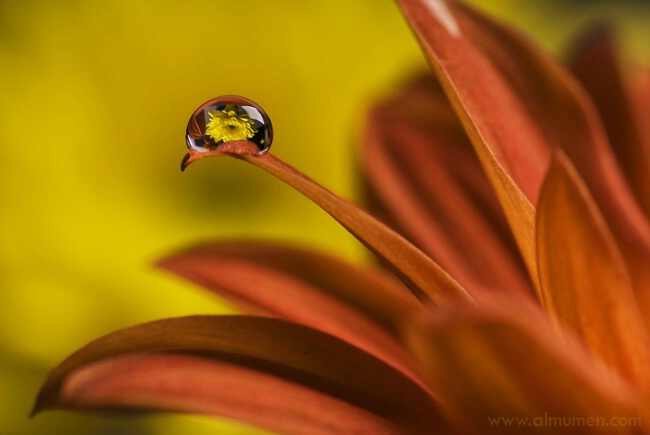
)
(508, 195)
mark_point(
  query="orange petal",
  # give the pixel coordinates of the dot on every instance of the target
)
(173, 382)
(273, 348)
(635, 249)
(585, 283)
(623, 107)
(421, 274)
(595, 63)
(461, 55)
(517, 104)
(498, 369)
(372, 291)
(359, 305)
(426, 182)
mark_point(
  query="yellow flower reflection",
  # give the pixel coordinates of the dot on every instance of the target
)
(228, 125)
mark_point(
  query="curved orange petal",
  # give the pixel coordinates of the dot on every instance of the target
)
(623, 106)
(595, 63)
(293, 353)
(517, 104)
(488, 108)
(174, 382)
(585, 283)
(359, 305)
(427, 183)
(422, 275)
(511, 375)
(372, 291)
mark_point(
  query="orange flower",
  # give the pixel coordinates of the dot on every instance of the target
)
(505, 177)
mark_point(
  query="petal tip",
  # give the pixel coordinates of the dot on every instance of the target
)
(185, 162)
(441, 11)
(443, 15)
(43, 403)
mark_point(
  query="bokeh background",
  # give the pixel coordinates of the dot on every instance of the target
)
(95, 96)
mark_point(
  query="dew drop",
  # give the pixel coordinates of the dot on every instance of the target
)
(229, 118)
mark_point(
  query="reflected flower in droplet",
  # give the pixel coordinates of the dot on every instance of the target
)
(227, 119)
(230, 124)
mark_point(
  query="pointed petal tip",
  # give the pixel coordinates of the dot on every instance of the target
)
(596, 32)
(165, 261)
(185, 162)
(43, 403)
(432, 12)
(170, 261)
(443, 14)
(37, 409)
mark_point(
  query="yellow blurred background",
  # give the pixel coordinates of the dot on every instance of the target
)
(95, 99)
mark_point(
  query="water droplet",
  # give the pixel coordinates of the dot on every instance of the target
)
(226, 119)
